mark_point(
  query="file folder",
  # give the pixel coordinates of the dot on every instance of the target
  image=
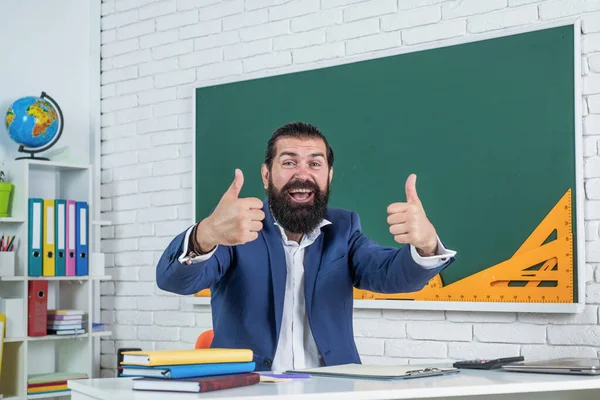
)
(48, 265)
(383, 372)
(81, 233)
(37, 307)
(60, 217)
(71, 236)
(34, 237)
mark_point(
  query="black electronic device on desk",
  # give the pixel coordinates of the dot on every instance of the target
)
(486, 364)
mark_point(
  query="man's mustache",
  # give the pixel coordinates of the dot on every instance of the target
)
(300, 184)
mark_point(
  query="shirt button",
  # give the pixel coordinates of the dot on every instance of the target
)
(268, 362)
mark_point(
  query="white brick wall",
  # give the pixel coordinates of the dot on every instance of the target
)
(155, 52)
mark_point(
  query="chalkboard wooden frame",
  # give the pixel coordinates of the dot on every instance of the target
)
(578, 206)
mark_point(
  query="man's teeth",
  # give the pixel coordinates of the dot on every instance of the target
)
(300, 191)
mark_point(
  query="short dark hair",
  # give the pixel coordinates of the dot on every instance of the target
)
(302, 130)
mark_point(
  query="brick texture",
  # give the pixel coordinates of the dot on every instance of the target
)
(153, 55)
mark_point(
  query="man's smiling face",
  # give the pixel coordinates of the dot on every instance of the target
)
(298, 183)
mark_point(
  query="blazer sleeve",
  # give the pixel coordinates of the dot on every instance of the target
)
(179, 277)
(383, 269)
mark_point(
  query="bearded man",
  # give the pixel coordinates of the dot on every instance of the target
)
(282, 271)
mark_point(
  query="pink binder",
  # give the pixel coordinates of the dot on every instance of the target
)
(71, 237)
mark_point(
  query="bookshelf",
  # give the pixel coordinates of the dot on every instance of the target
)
(25, 355)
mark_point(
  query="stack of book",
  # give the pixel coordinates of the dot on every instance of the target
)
(65, 322)
(51, 383)
(198, 370)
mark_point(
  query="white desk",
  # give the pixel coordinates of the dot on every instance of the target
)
(468, 384)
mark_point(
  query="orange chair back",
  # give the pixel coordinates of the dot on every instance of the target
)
(205, 339)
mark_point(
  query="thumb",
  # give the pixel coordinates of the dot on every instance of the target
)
(236, 186)
(411, 189)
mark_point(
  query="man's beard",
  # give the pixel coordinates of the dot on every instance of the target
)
(298, 218)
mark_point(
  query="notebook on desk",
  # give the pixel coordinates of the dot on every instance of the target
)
(570, 366)
(386, 372)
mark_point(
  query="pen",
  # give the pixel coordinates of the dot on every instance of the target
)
(9, 246)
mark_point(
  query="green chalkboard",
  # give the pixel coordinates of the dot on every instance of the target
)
(487, 126)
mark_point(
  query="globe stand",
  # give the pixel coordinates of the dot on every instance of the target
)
(31, 155)
(34, 150)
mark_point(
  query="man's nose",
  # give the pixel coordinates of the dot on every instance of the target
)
(302, 171)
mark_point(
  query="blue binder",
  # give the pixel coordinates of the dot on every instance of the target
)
(81, 238)
(188, 371)
(34, 236)
(60, 235)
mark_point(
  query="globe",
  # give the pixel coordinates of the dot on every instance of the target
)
(34, 122)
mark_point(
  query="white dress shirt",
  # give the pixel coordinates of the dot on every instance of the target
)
(296, 348)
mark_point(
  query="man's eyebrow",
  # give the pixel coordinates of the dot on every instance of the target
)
(288, 153)
(292, 154)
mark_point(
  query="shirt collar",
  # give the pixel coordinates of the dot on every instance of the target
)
(309, 236)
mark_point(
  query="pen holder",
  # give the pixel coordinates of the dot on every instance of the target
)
(6, 191)
(7, 263)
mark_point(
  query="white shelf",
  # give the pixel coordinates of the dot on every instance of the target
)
(63, 393)
(71, 278)
(56, 337)
(56, 278)
(54, 165)
(81, 353)
(14, 340)
(12, 278)
(12, 220)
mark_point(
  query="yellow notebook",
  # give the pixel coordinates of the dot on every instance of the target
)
(43, 389)
(183, 357)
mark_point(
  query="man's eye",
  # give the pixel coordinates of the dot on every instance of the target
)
(288, 163)
(316, 164)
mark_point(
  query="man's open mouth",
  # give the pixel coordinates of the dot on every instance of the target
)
(301, 195)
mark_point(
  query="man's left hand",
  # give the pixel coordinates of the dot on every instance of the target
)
(409, 224)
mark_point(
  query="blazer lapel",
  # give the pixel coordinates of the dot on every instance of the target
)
(312, 262)
(274, 244)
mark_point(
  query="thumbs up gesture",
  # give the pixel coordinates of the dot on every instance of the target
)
(409, 224)
(234, 221)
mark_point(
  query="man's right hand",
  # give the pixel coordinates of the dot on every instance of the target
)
(234, 221)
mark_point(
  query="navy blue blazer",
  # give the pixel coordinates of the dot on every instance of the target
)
(247, 284)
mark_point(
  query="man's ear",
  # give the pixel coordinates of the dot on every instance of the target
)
(264, 171)
(330, 174)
